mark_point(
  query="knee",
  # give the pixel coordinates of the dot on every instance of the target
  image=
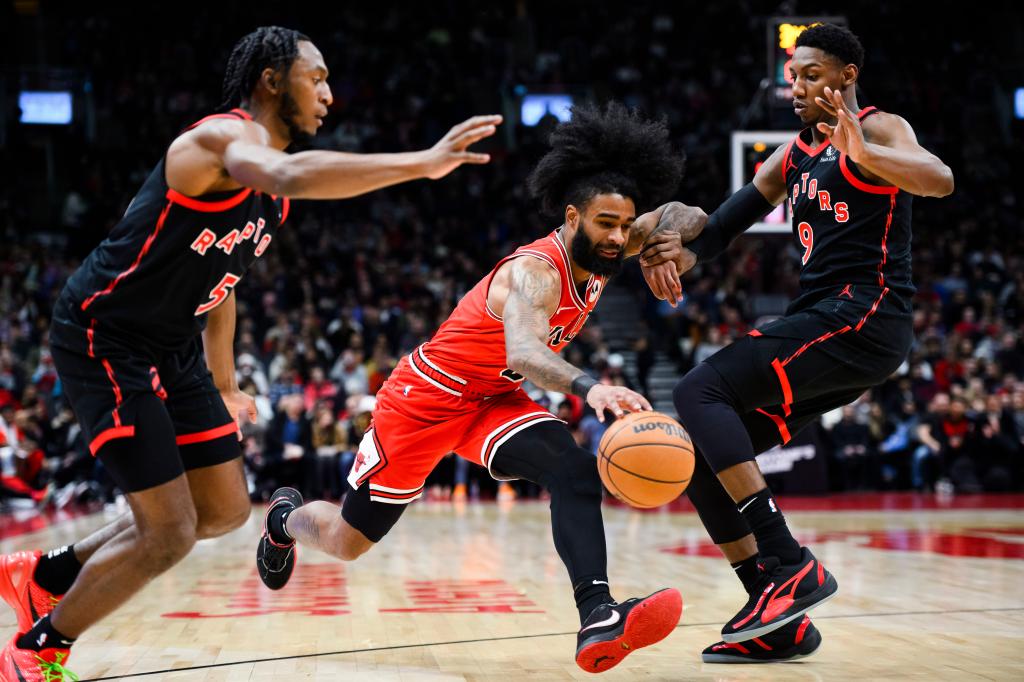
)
(700, 387)
(164, 545)
(346, 543)
(229, 515)
(576, 474)
(350, 552)
(686, 392)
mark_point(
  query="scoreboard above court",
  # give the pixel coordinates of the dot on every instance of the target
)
(782, 35)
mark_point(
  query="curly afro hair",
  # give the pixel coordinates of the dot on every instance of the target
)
(604, 150)
(837, 41)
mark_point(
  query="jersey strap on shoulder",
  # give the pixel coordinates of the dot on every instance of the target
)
(867, 111)
(236, 114)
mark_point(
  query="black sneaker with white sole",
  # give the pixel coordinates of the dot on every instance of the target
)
(274, 560)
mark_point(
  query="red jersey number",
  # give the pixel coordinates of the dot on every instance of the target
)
(219, 293)
(806, 234)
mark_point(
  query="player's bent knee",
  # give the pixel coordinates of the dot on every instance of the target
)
(230, 516)
(165, 544)
(579, 473)
(347, 543)
(547, 454)
(702, 387)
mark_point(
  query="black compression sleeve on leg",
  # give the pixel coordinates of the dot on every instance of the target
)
(709, 410)
(372, 519)
(715, 508)
(744, 208)
(546, 454)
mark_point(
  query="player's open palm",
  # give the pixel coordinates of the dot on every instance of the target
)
(451, 151)
(616, 399)
(846, 135)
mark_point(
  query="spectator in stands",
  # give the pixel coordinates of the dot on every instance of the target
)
(851, 442)
(330, 441)
(289, 456)
(350, 373)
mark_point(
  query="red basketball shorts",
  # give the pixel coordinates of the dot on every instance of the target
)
(417, 422)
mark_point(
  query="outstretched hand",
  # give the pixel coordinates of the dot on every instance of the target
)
(846, 135)
(450, 152)
(616, 399)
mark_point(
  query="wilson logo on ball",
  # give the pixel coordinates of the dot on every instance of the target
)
(669, 429)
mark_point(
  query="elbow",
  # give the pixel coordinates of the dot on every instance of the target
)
(287, 182)
(514, 361)
(940, 185)
(945, 184)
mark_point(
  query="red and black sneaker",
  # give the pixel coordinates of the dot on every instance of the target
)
(28, 665)
(784, 593)
(794, 640)
(19, 589)
(275, 561)
(612, 631)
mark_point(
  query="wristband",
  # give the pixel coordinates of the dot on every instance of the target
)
(582, 384)
(732, 218)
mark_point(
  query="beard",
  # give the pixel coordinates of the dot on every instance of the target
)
(584, 253)
(288, 112)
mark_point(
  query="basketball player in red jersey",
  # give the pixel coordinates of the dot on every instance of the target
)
(126, 329)
(461, 392)
(849, 177)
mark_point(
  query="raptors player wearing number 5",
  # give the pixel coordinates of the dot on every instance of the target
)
(849, 177)
(460, 391)
(126, 330)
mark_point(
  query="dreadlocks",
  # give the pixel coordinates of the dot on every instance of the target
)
(267, 47)
(607, 150)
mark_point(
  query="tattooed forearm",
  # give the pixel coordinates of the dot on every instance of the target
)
(688, 221)
(673, 217)
(533, 296)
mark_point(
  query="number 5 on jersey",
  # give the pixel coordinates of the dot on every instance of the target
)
(806, 234)
(219, 293)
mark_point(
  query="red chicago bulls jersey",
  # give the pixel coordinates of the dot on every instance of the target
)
(467, 354)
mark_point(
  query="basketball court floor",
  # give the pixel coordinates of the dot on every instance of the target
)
(929, 589)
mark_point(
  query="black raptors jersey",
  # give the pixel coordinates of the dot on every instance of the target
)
(171, 259)
(848, 231)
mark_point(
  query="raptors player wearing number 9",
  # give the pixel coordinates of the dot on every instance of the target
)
(848, 176)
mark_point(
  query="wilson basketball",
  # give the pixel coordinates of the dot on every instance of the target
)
(645, 459)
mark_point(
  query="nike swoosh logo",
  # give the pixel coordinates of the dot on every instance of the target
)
(747, 505)
(600, 582)
(610, 620)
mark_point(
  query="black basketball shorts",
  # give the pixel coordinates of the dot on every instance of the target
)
(792, 370)
(148, 416)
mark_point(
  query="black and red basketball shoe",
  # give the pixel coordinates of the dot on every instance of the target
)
(612, 631)
(784, 592)
(795, 640)
(275, 560)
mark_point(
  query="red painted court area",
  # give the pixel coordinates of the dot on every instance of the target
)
(982, 543)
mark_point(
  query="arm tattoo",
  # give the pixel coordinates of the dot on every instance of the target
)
(533, 289)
